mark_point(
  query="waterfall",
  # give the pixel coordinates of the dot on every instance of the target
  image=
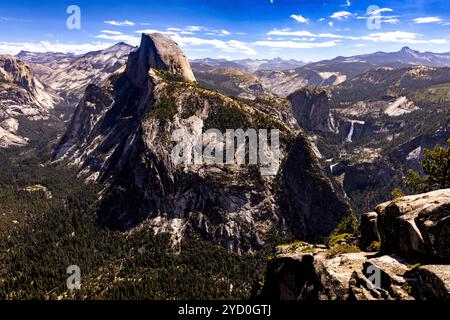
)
(332, 167)
(352, 129)
(350, 134)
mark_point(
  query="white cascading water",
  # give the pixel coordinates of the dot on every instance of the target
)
(350, 134)
(352, 129)
(332, 167)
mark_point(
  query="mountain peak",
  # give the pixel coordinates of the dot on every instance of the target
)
(407, 50)
(159, 52)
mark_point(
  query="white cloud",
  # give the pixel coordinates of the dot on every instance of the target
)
(296, 45)
(299, 18)
(402, 37)
(46, 46)
(378, 11)
(125, 23)
(286, 32)
(340, 15)
(227, 46)
(190, 30)
(133, 40)
(347, 4)
(188, 42)
(427, 20)
(111, 32)
(393, 36)
(382, 19)
(196, 28)
(321, 19)
(391, 20)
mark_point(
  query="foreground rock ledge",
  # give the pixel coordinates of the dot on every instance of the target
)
(413, 262)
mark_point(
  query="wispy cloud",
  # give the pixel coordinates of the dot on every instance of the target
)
(299, 18)
(401, 37)
(191, 41)
(392, 36)
(117, 23)
(427, 20)
(130, 39)
(111, 32)
(302, 33)
(377, 15)
(347, 4)
(381, 10)
(340, 15)
(295, 44)
(47, 46)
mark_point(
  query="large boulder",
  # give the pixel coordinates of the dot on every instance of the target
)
(392, 282)
(417, 225)
(433, 282)
(368, 229)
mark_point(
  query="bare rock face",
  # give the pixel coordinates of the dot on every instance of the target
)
(159, 52)
(69, 75)
(417, 225)
(311, 108)
(317, 222)
(21, 95)
(121, 137)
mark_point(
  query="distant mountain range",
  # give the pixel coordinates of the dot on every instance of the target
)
(250, 65)
(69, 74)
(282, 77)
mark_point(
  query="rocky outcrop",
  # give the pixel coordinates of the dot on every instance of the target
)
(417, 225)
(121, 137)
(311, 108)
(400, 271)
(308, 272)
(21, 96)
(157, 51)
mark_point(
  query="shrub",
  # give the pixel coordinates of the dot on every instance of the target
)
(347, 225)
(347, 228)
(342, 248)
(374, 247)
(397, 193)
(339, 238)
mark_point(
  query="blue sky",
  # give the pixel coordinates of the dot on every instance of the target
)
(304, 30)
